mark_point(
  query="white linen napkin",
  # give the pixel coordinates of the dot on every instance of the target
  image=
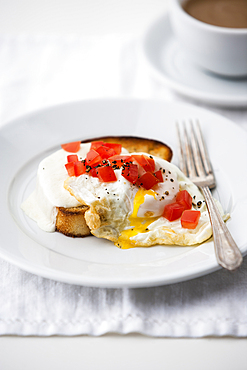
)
(37, 72)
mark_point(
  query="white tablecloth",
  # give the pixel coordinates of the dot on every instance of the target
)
(37, 72)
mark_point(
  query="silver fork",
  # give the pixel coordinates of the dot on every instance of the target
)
(194, 162)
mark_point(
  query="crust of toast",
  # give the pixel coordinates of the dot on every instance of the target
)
(71, 221)
(138, 144)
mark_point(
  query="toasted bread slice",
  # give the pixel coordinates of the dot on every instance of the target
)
(71, 221)
(138, 144)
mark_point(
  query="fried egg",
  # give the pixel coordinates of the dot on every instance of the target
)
(131, 216)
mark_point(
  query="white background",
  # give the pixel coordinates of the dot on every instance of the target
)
(95, 17)
(85, 17)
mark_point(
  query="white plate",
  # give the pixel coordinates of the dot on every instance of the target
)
(97, 262)
(171, 66)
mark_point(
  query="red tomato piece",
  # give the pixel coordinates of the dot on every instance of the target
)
(173, 211)
(145, 162)
(72, 158)
(105, 152)
(159, 175)
(96, 144)
(93, 158)
(93, 172)
(147, 181)
(140, 159)
(151, 162)
(130, 172)
(116, 147)
(71, 147)
(106, 174)
(184, 198)
(70, 168)
(190, 219)
(80, 168)
(119, 160)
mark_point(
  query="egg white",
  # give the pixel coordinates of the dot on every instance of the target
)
(131, 216)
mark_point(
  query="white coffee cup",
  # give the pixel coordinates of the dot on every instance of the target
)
(220, 50)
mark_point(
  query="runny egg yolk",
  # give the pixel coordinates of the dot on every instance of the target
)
(137, 224)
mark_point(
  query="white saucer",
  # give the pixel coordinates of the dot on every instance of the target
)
(171, 66)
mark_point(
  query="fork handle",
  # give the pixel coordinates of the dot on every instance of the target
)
(227, 252)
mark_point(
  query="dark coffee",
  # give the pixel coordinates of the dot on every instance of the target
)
(223, 13)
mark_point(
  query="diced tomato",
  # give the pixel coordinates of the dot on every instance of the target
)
(71, 147)
(159, 176)
(190, 219)
(184, 198)
(106, 174)
(105, 152)
(140, 159)
(147, 181)
(150, 161)
(119, 160)
(93, 172)
(173, 211)
(80, 168)
(96, 144)
(116, 147)
(70, 168)
(130, 173)
(93, 158)
(147, 163)
(72, 158)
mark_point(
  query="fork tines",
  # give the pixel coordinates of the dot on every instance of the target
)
(193, 156)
